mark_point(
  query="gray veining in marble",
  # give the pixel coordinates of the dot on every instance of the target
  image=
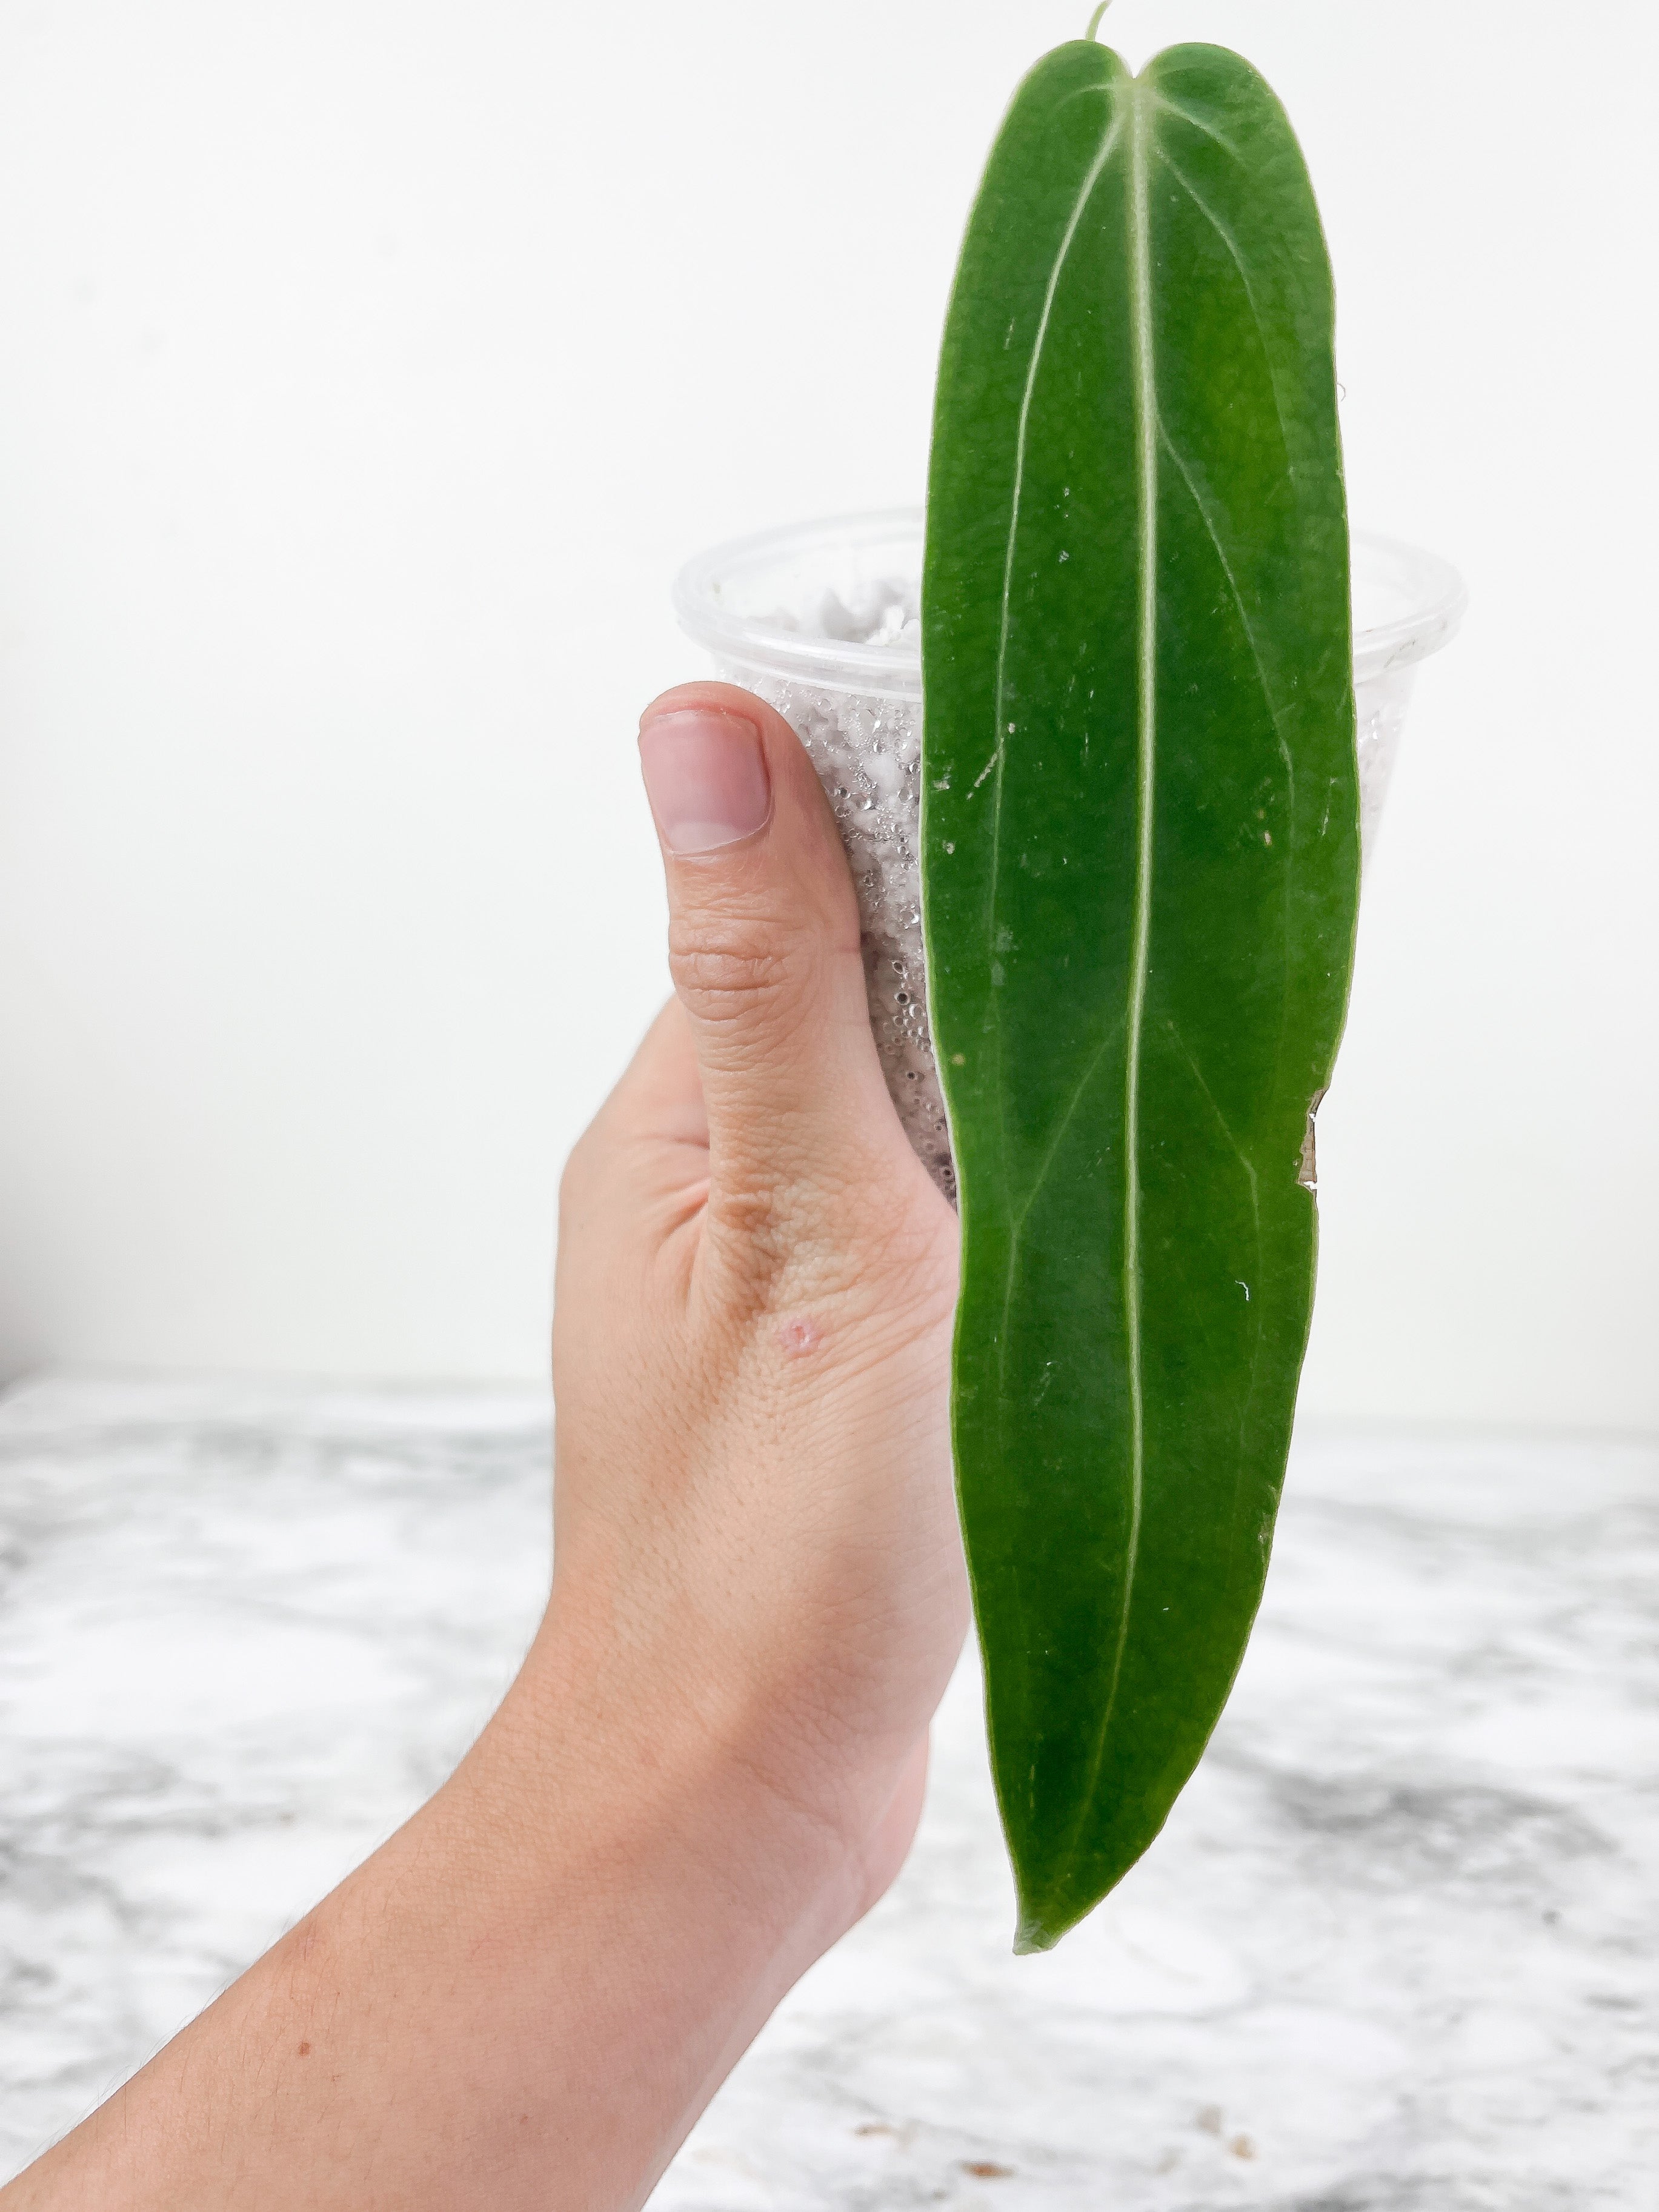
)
(1398, 1950)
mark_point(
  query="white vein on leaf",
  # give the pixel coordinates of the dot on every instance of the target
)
(1224, 231)
(1109, 144)
(1146, 383)
(1287, 869)
(1175, 107)
(1206, 517)
(1098, 169)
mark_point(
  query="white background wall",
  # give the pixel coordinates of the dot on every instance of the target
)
(366, 369)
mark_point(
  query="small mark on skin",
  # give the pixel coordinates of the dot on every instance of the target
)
(985, 2169)
(1209, 2120)
(959, 1060)
(875, 2128)
(1242, 2146)
(800, 1336)
(1245, 1288)
(305, 2051)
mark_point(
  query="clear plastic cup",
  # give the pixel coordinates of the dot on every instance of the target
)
(820, 622)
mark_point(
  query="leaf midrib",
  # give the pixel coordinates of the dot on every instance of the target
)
(1110, 140)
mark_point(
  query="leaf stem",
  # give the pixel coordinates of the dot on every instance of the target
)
(1094, 19)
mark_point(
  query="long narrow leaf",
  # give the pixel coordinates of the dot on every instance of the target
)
(1141, 868)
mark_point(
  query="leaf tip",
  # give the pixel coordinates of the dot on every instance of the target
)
(1041, 1924)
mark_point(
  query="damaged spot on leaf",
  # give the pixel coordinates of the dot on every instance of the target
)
(1308, 1174)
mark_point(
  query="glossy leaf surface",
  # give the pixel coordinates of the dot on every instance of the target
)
(1141, 870)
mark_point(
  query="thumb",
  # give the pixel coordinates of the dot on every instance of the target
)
(765, 951)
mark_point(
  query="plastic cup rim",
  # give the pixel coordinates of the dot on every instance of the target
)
(1439, 602)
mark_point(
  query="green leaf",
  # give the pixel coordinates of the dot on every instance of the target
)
(1141, 876)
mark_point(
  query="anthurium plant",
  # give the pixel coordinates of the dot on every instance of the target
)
(1141, 876)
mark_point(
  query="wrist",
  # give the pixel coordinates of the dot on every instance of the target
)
(665, 1773)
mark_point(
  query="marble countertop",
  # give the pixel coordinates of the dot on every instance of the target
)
(1397, 1951)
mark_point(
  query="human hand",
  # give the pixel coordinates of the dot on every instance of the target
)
(755, 1525)
(712, 1762)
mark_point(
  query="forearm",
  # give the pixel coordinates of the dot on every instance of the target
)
(714, 1760)
(523, 1999)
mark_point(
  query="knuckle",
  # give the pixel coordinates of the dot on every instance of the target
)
(735, 968)
(755, 1239)
(845, 1244)
(781, 1247)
